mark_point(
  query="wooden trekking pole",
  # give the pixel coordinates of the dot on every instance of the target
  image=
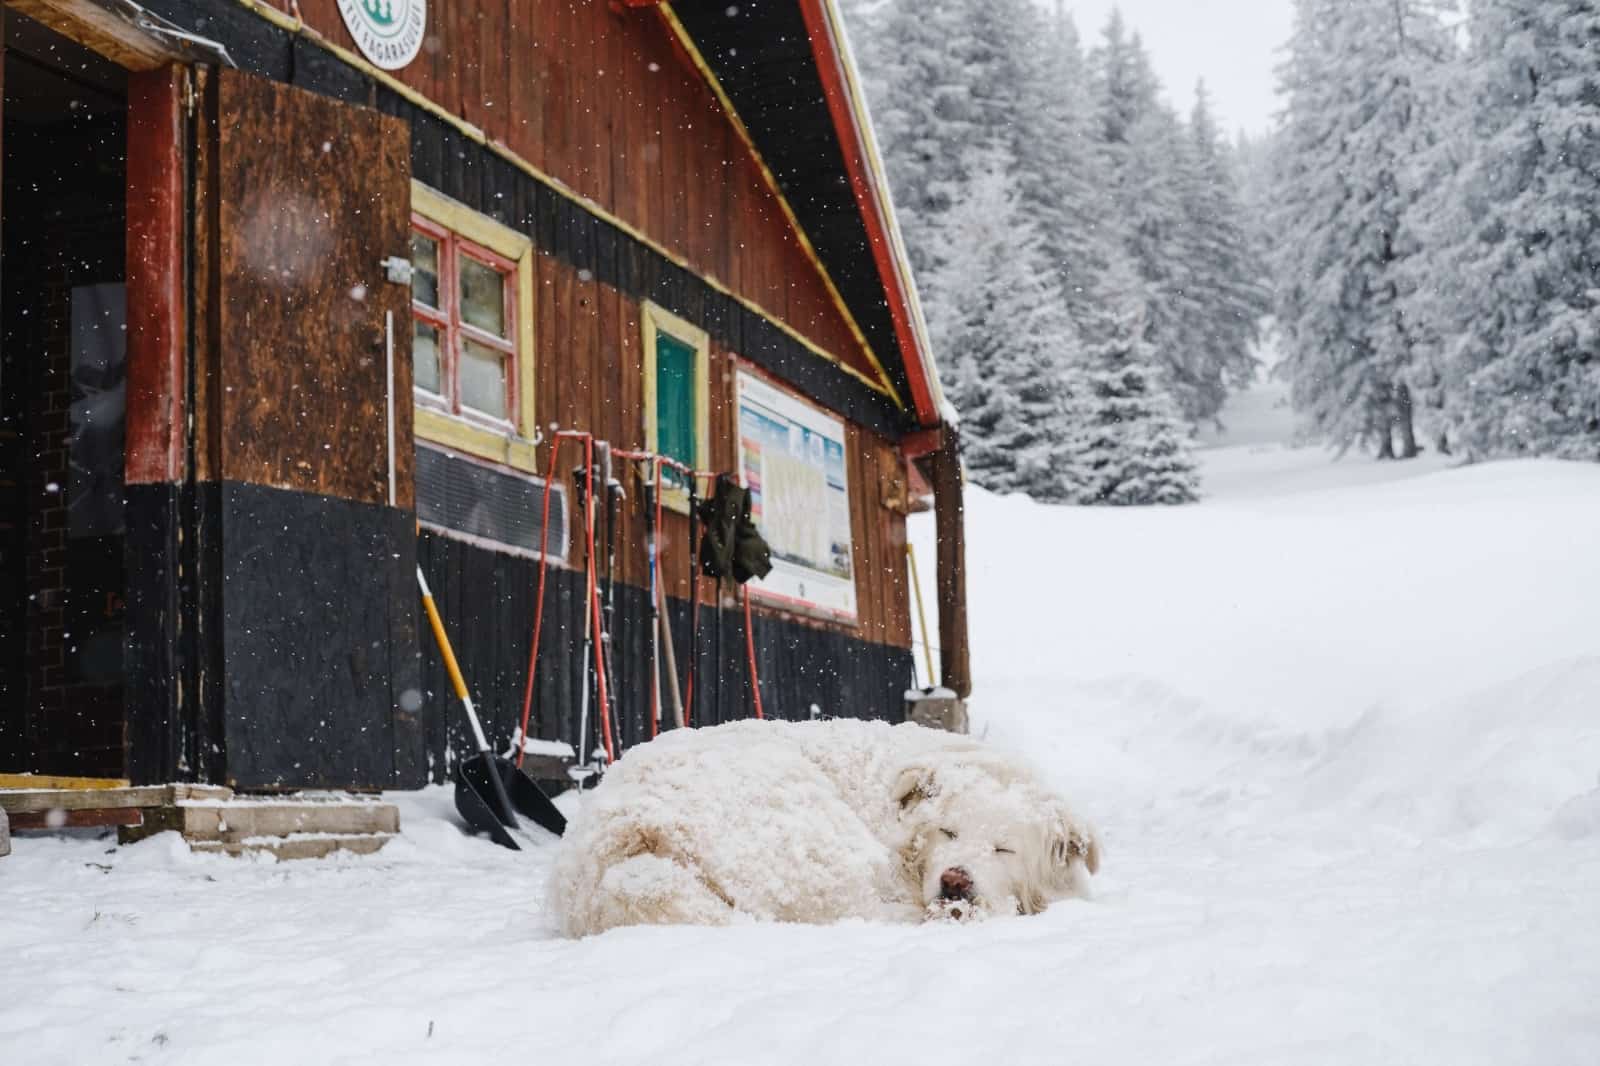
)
(922, 616)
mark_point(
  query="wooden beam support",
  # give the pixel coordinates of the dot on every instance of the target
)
(155, 277)
(77, 819)
(921, 442)
(99, 28)
(26, 801)
(949, 514)
(45, 781)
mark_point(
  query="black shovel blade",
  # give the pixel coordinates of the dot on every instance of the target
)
(478, 802)
(529, 800)
(477, 805)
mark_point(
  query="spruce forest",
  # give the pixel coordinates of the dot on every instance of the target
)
(1098, 270)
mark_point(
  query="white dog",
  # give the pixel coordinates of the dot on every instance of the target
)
(816, 822)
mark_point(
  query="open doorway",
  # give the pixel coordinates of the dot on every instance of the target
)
(62, 373)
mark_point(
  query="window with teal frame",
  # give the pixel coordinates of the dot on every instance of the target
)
(676, 434)
(677, 397)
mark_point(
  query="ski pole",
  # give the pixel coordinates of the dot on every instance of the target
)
(603, 700)
(922, 616)
(578, 482)
(614, 492)
(651, 528)
(750, 650)
(694, 600)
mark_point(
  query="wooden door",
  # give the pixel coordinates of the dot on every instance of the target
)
(310, 357)
(312, 195)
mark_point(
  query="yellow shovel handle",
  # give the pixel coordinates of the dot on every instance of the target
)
(450, 663)
(444, 642)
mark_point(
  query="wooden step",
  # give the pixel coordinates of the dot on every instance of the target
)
(233, 820)
(299, 826)
(100, 796)
(210, 818)
(296, 846)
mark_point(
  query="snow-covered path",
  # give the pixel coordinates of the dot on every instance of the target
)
(1340, 727)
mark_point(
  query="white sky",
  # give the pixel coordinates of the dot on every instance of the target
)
(1232, 44)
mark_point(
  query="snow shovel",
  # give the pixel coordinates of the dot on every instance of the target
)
(490, 790)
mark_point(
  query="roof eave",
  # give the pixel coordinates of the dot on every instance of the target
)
(852, 125)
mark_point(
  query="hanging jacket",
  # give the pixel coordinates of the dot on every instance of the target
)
(730, 544)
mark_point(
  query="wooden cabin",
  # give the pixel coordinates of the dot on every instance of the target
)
(297, 296)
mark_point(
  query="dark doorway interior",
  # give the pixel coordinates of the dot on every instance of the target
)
(62, 373)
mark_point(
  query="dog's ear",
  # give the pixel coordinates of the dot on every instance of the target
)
(915, 784)
(1072, 841)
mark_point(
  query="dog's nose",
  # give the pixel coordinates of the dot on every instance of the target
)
(955, 883)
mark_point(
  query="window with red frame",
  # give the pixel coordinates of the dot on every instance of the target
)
(463, 311)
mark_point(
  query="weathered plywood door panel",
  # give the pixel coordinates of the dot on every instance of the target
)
(316, 587)
(312, 195)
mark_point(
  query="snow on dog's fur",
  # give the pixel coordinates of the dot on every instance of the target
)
(816, 822)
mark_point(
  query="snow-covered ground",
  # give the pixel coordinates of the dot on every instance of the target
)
(1339, 725)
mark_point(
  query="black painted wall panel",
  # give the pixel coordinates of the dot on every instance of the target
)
(158, 738)
(318, 627)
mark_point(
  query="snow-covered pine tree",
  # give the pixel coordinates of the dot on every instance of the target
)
(1154, 178)
(1155, 225)
(1356, 82)
(920, 87)
(1130, 445)
(1223, 295)
(1253, 161)
(1125, 85)
(1063, 174)
(1523, 306)
(1008, 350)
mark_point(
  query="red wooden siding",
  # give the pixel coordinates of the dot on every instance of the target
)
(605, 102)
(155, 451)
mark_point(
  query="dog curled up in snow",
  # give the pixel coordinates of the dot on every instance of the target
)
(816, 822)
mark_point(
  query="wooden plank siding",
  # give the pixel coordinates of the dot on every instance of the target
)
(605, 102)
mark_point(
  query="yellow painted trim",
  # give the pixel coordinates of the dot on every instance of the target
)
(688, 45)
(880, 180)
(55, 782)
(457, 434)
(475, 227)
(656, 319)
(514, 449)
(475, 134)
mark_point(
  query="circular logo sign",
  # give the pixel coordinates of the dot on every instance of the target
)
(388, 32)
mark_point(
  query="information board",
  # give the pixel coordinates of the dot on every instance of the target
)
(791, 458)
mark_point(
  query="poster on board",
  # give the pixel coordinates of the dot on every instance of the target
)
(791, 458)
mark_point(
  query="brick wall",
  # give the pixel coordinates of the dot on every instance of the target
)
(45, 483)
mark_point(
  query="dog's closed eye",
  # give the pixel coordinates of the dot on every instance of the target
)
(950, 834)
(998, 850)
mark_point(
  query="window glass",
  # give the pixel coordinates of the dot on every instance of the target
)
(675, 391)
(424, 270)
(425, 357)
(483, 378)
(483, 297)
